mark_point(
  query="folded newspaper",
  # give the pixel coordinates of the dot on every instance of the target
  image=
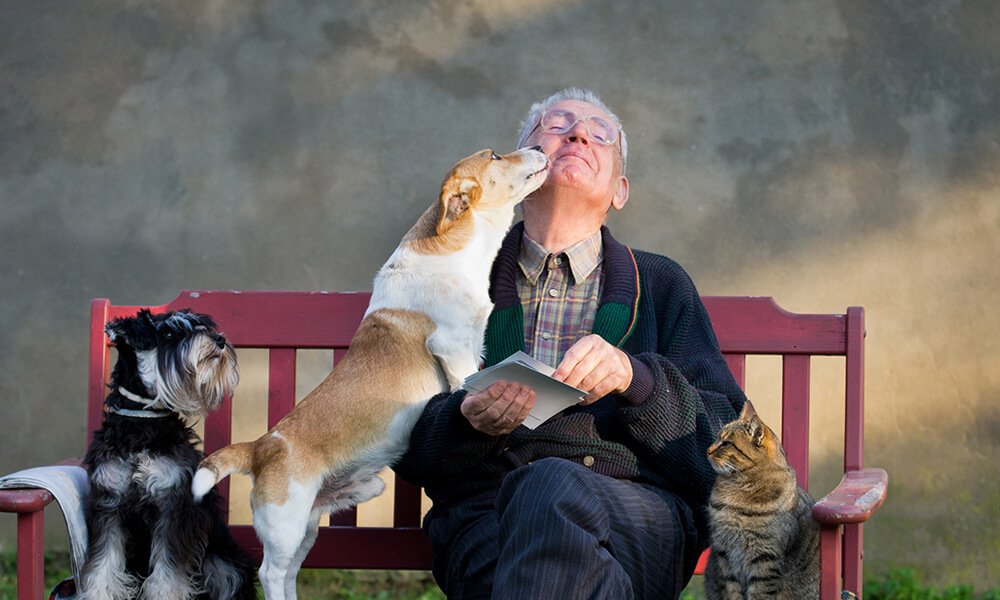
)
(551, 396)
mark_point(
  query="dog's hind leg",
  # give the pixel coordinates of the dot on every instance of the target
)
(282, 529)
(312, 532)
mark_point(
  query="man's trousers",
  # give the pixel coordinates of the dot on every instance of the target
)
(558, 530)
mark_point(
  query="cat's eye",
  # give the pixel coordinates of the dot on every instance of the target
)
(495, 156)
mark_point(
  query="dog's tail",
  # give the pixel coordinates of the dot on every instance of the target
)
(219, 465)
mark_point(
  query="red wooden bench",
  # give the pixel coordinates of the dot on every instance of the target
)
(285, 322)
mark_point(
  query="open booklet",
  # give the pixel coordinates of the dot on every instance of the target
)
(551, 396)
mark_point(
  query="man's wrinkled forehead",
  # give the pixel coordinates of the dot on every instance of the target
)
(582, 108)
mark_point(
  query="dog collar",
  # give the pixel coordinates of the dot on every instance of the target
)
(151, 408)
(144, 413)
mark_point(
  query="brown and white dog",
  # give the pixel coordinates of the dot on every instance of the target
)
(421, 335)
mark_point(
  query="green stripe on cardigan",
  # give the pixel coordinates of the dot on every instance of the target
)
(614, 322)
(504, 334)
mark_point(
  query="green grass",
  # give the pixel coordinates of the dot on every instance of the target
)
(56, 569)
(904, 584)
(899, 584)
(367, 585)
(313, 583)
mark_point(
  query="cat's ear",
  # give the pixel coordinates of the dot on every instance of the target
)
(748, 411)
(758, 430)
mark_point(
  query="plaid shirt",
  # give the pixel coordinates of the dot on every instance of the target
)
(559, 295)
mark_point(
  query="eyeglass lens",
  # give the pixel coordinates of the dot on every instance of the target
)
(561, 121)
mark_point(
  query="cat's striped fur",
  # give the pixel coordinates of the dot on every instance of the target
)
(765, 543)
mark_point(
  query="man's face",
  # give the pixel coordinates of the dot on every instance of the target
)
(578, 160)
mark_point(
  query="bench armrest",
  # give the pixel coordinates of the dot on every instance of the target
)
(24, 500)
(854, 499)
(27, 493)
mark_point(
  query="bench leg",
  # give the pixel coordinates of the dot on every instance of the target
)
(31, 555)
(830, 556)
(853, 558)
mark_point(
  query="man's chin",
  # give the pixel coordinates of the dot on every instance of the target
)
(568, 174)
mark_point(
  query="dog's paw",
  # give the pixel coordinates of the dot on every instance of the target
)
(112, 583)
(166, 584)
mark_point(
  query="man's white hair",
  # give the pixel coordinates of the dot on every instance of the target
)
(571, 93)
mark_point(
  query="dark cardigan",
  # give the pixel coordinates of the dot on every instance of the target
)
(682, 394)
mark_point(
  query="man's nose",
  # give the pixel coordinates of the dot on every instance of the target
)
(578, 133)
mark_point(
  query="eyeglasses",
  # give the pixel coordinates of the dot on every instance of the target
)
(558, 121)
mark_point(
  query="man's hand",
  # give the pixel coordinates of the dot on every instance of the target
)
(498, 409)
(596, 367)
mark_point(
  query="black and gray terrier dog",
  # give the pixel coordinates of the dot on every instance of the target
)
(148, 538)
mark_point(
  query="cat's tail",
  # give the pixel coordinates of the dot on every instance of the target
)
(237, 458)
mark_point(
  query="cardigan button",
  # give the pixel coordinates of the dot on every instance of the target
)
(588, 461)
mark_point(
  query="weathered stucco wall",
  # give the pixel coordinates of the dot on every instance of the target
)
(824, 152)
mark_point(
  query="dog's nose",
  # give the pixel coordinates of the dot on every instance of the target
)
(219, 340)
(537, 148)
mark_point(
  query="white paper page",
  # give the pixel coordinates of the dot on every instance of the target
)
(551, 396)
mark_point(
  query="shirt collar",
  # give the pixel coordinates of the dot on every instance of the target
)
(616, 316)
(584, 256)
(532, 258)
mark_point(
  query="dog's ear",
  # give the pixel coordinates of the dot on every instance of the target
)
(132, 331)
(456, 197)
(118, 331)
(147, 319)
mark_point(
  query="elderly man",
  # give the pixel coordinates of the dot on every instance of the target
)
(607, 499)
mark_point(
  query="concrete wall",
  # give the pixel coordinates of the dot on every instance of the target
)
(824, 152)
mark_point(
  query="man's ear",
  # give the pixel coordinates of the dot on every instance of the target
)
(621, 194)
(456, 198)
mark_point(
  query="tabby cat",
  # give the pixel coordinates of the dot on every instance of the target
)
(765, 543)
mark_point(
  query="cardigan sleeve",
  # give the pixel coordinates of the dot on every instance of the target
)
(443, 443)
(673, 429)
(691, 393)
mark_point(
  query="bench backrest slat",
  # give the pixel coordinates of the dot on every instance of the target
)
(280, 384)
(738, 367)
(795, 412)
(854, 418)
(284, 322)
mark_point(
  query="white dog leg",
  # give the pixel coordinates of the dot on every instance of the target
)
(312, 531)
(282, 530)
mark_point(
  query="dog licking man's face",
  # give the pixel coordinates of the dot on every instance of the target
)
(490, 182)
(506, 176)
(183, 362)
